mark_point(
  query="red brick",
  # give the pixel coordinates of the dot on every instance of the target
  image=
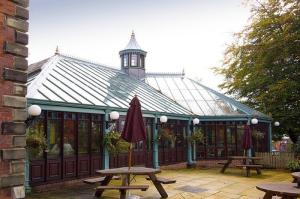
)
(6, 141)
(5, 114)
(5, 193)
(7, 7)
(4, 168)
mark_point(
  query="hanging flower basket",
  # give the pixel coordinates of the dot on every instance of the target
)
(114, 143)
(35, 143)
(197, 136)
(166, 134)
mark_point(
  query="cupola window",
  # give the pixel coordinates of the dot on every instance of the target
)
(133, 60)
(125, 60)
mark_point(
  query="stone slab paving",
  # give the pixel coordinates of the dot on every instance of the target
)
(211, 183)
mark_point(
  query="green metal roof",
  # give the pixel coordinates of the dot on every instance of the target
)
(73, 81)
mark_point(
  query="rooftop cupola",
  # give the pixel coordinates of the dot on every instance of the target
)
(133, 59)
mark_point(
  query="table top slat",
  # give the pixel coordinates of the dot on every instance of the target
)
(126, 170)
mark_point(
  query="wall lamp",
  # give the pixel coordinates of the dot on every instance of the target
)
(276, 123)
(163, 119)
(113, 116)
(33, 111)
(254, 121)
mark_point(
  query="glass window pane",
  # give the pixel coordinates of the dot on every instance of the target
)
(96, 141)
(69, 134)
(54, 130)
(83, 133)
(133, 60)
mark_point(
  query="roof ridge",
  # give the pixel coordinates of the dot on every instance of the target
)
(165, 74)
(90, 62)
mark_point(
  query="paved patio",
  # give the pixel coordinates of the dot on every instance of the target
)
(191, 183)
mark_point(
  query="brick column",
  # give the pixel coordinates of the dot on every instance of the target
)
(13, 75)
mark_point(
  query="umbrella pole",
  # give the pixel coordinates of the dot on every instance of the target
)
(130, 155)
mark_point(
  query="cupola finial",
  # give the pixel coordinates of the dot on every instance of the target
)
(56, 51)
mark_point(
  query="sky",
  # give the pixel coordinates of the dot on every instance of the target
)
(177, 34)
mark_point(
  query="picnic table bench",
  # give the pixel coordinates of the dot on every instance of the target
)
(246, 162)
(123, 189)
(163, 180)
(99, 179)
(248, 167)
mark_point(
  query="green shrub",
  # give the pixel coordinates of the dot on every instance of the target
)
(293, 165)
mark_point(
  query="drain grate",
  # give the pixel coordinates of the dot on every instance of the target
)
(191, 189)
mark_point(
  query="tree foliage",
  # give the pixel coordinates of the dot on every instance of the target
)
(262, 66)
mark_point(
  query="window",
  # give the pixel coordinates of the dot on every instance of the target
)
(96, 133)
(125, 60)
(37, 128)
(54, 133)
(133, 60)
(83, 129)
(69, 134)
(142, 61)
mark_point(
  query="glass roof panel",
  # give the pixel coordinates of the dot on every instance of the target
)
(49, 94)
(194, 96)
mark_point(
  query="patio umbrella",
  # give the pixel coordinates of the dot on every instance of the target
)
(247, 138)
(134, 128)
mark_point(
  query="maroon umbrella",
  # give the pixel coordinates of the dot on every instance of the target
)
(247, 138)
(134, 128)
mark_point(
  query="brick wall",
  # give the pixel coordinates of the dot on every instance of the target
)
(13, 75)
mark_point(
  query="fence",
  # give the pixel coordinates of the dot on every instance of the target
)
(275, 160)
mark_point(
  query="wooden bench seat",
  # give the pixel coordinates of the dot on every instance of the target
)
(112, 187)
(222, 163)
(98, 180)
(122, 189)
(163, 180)
(248, 167)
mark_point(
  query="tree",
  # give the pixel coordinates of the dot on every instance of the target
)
(262, 66)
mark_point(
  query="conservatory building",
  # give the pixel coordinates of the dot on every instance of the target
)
(77, 97)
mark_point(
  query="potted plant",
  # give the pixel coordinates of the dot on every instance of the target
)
(114, 143)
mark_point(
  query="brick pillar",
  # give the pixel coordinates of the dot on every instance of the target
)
(13, 75)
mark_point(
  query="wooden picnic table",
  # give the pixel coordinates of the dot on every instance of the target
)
(243, 159)
(126, 172)
(284, 190)
(296, 176)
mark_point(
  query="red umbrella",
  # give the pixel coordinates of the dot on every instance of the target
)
(134, 128)
(247, 138)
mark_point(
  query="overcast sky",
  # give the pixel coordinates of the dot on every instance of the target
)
(177, 34)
